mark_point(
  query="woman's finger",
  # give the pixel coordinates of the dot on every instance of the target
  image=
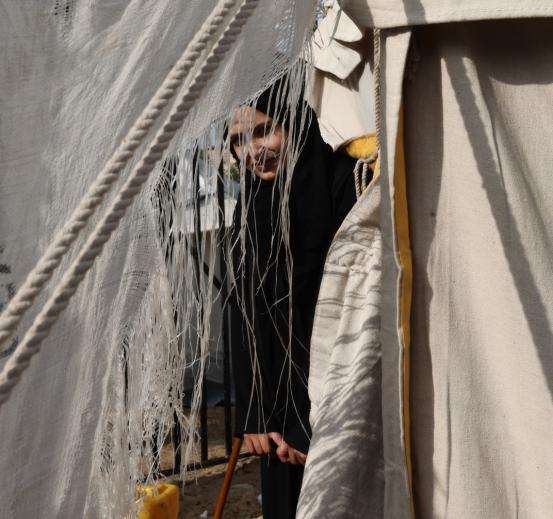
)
(249, 444)
(276, 437)
(282, 452)
(257, 445)
(301, 457)
(264, 443)
(292, 458)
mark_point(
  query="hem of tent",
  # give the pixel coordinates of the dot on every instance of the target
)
(395, 19)
(401, 218)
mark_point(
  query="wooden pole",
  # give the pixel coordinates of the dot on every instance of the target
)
(225, 487)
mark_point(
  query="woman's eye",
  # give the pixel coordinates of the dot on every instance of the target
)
(239, 150)
(259, 132)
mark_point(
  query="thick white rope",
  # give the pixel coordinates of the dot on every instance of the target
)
(361, 169)
(45, 267)
(30, 345)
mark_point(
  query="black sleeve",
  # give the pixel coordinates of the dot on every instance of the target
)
(297, 431)
(343, 187)
(255, 324)
(252, 405)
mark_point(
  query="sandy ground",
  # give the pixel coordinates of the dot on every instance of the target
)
(242, 503)
(202, 486)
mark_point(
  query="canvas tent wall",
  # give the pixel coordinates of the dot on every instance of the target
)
(466, 298)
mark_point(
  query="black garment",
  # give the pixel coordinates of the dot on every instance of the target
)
(280, 488)
(273, 397)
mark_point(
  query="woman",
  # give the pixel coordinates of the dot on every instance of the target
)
(276, 287)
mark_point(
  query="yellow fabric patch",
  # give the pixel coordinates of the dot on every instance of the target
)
(361, 148)
(161, 501)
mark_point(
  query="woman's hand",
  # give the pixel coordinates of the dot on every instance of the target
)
(285, 452)
(260, 444)
(257, 443)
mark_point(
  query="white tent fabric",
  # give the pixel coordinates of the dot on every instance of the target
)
(76, 74)
(344, 473)
(466, 364)
(481, 216)
(341, 83)
(402, 13)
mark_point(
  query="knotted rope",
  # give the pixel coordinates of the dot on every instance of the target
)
(361, 173)
(66, 288)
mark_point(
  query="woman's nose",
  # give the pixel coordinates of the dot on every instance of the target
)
(255, 151)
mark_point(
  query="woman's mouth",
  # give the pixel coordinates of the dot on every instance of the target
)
(269, 164)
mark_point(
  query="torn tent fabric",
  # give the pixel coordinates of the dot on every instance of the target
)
(91, 415)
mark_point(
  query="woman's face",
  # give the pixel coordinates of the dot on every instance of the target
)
(258, 142)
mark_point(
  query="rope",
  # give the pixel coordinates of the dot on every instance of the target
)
(361, 173)
(30, 345)
(358, 190)
(377, 91)
(361, 169)
(45, 267)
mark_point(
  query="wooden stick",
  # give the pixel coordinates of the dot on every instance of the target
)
(225, 487)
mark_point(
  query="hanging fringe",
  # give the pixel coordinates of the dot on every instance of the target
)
(166, 352)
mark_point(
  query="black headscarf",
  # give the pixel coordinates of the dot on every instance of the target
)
(322, 193)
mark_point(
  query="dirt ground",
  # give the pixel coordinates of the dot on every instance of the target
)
(202, 486)
(243, 500)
